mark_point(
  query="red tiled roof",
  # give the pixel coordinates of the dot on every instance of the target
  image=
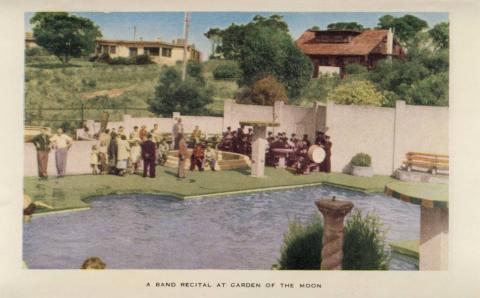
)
(361, 44)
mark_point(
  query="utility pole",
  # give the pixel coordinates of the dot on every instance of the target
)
(186, 21)
(134, 32)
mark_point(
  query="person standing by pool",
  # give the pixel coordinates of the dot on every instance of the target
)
(149, 156)
(163, 149)
(211, 157)
(123, 153)
(61, 143)
(176, 131)
(42, 144)
(182, 156)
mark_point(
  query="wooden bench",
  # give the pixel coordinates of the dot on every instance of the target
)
(431, 162)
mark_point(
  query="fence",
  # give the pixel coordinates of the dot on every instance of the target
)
(73, 117)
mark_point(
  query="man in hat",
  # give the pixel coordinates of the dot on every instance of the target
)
(42, 144)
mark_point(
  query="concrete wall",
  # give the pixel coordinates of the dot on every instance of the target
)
(386, 134)
(78, 159)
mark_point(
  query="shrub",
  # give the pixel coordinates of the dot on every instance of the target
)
(268, 90)
(364, 246)
(121, 61)
(361, 160)
(361, 92)
(301, 246)
(142, 60)
(36, 51)
(104, 58)
(227, 70)
(318, 89)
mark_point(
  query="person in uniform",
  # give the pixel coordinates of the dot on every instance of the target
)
(149, 156)
(325, 166)
(182, 156)
(42, 144)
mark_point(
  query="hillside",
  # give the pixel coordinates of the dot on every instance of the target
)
(52, 85)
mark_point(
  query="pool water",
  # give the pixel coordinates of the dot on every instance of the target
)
(160, 232)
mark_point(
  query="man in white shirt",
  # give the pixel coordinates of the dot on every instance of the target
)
(61, 142)
(177, 129)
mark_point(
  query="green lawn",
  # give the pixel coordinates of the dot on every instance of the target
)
(72, 192)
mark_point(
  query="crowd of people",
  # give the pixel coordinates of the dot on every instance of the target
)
(120, 153)
(240, 141)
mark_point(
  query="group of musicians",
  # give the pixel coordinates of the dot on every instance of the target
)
(297, 157)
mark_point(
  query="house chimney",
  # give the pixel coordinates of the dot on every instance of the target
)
(390, 42)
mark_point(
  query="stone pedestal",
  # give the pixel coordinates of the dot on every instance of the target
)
(258, 150)
(434, 239)
(281, 162)
(333, 212)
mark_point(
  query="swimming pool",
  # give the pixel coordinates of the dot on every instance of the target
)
(160, 232)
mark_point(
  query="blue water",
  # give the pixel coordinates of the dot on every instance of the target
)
(159, 232)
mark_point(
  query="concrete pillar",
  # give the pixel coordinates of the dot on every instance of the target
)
(278, 115)
(227, 113)
(398, 137)
(434, 238)
(333, 212)
(258, 150)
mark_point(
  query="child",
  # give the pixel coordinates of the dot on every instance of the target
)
(103, 158)
(93, 263)
(135, 155)
(211, 157)
(94, 159)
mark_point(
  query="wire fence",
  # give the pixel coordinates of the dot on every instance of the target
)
(74, 117)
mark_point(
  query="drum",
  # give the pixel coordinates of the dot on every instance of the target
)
(316, 153)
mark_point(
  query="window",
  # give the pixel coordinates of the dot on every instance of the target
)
(105, 49)
(166, 52)
(133, 52)
(113, 49)
(152, 51)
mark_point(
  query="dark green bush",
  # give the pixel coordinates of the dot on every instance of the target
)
(363, 248)
(227, 70)
(361, 160)
(104, 58)
(364, 243)
(302, 246)
(36, 51)
(142, 60)
(121, 61)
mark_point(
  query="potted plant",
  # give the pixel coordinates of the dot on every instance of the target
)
(361, 165)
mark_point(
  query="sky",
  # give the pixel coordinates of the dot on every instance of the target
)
(169, 25)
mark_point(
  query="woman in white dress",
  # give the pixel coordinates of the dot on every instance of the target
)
(123, 153)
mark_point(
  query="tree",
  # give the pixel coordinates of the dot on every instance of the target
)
(64, 35)
(345, 26)
(233, 36)
(439, 34)
(174, 95)
(362, 92)
(268, 90)
(214, 35)
(315, 28)
(269, 51)
(405, 27)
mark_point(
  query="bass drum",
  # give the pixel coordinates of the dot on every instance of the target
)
(316, 153)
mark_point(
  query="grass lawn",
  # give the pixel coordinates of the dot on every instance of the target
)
(407, 247)
(72, 192)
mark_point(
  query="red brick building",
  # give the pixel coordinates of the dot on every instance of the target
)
(331, 50)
